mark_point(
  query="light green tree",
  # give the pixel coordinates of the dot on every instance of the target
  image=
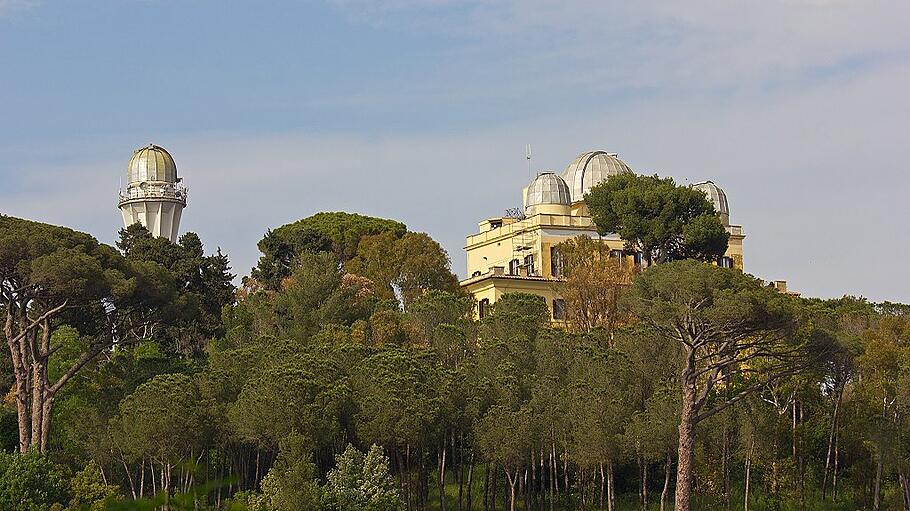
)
(362, 482)
(88, 491)
(291, 483)
(30, 482)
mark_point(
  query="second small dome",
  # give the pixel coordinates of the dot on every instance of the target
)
(547, 189)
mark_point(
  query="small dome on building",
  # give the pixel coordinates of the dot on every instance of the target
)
(717, 197)
(547, 189)
(590, 169)
(151, 163)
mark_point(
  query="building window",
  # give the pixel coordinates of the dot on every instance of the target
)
(559, 309)
(483, 308)
(476, 273)
(639, 258)
(616, 254)
(495, 224)
(513, 266)
(557, 263)
(529, 263)
(726, 262)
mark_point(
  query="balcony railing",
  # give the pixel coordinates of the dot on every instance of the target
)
(167, 191)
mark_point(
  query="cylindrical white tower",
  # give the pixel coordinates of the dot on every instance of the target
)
(154, 195)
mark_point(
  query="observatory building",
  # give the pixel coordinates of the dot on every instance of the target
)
(519, 252)
(154, 195)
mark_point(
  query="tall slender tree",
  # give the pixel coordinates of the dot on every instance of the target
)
(729, 328)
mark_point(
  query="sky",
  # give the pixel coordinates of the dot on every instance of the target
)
(421, 111)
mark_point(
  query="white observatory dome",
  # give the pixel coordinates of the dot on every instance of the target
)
(151, 163)
(590, 169)
(717, 197)
(547, 189)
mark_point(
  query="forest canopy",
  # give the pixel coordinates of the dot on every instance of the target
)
(350, 373)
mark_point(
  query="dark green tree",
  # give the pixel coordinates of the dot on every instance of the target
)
(403, 268)
(727, 327)
(336, 232)
(161, 422)
(203, 286)
(657, 217)
(50, 275)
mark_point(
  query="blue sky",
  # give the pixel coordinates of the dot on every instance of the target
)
(420, 110)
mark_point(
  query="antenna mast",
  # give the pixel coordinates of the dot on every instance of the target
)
(528, 157)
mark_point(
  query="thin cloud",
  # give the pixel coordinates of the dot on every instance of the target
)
(9, 6)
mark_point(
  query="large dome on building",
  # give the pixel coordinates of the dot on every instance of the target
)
(589, 169)
(151, 163)
(547, 188)
(717, 197)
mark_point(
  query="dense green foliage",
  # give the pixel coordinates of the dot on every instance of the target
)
(29, 482)
(657, 217)
(360, 380)
(338, 233)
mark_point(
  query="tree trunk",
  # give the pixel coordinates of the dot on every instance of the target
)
(831, 434)
(801, 459)
(644, 484)
(554, 481)
(611, 487)
(37, 404)
(460, 464)
(905, 490)
(494, 476)
(836, 468)
(686, 456)
(154, 479)
(527, 489)
(725, 460)
(513, 480)
(401, 472)
(666, 488)
(441, 476)
(747, 475)
(793, 429)
(532, 484)
(603, 485)
(641, 482)
(22, 405)
(565, 471)
(129, 477)
(486, 489)
(877, 492)
(468, 500)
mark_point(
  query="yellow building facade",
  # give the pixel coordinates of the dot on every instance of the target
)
(518, 252)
